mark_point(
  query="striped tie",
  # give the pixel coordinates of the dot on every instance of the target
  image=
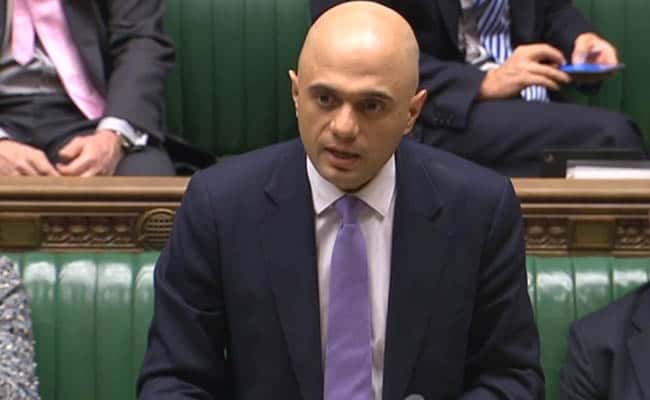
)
(494, 31)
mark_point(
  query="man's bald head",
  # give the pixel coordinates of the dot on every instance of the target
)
(355, 91)
(367, 31)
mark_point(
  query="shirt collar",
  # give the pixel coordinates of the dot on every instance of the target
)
(377, 194)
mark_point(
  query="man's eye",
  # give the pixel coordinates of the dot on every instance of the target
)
(324, 100)
(372, 106)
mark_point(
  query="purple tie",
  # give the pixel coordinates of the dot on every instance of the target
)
(47, 19)
(348, 357)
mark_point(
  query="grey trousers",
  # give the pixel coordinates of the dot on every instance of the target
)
(48, 122)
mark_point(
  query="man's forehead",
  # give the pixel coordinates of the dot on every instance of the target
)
(366, 68)
(348, 53)
(356, 68)
(375, 92)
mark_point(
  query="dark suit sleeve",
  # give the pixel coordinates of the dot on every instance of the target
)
(185, 355)
(503, 352)
(140, 55)
(577, 376)
(563, 23)
(452, 87)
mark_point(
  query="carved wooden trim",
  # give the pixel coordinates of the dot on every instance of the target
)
(98, 214)
(585, 216)
(134, 214)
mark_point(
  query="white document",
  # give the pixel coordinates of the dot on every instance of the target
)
(608, 169)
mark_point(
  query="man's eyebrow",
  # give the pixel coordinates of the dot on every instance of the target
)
(320, 88)
(376, 94)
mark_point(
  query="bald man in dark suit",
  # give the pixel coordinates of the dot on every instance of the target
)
(254, 274)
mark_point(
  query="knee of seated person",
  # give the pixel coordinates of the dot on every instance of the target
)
(613, 129)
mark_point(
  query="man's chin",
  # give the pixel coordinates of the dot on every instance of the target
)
(347, 182)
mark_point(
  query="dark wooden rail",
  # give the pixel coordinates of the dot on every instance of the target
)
(62, 214)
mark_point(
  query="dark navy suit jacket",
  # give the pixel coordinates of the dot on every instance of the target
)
(453, 86)
(236, 309)
(609, 352)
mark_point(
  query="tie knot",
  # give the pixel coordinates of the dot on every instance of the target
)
(348, 208)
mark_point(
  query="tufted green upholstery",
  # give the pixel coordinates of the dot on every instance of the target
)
(563, 288)
(91, 313)
(230, 90)
(230, 93)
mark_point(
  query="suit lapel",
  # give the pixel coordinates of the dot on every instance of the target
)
(450, 11)
(639, 344)
(420, 241)
(522, 19)
(290, 252)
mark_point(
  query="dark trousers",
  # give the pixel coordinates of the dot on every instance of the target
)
(509, 136)
(48, 122)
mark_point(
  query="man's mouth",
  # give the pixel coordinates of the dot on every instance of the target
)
(342, 153)
(341, 159)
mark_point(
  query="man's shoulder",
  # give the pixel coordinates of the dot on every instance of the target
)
(609, 325)
(249, 170)
(453, 172)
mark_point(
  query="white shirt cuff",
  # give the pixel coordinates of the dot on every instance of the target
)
(4, 134)
(138, 138)
(488, 66)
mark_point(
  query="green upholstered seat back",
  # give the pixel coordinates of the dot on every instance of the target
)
(91, 314)
(625, 23)
(230, 90)
(563, 289)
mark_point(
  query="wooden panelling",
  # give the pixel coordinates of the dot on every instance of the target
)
(88, 214)
(585, 216)
(562, 216)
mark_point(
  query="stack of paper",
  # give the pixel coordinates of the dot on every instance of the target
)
(607, 169)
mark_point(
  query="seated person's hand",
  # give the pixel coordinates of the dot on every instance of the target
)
(590, 48)
(91, 155)
(19, 159)
(533, 64)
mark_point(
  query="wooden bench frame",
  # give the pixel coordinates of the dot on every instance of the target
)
(134, 214)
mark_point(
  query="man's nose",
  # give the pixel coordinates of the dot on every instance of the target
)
(344, 123)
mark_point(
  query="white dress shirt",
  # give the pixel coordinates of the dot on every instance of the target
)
(376, 222)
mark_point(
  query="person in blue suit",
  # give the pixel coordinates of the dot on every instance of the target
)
(492, 71)
(247, 287)
(609, 352)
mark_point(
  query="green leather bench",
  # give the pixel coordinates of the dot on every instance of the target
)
(91, 313)
(230, 92)
(565, 288)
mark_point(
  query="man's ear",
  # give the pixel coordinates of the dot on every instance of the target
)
(415, 107)
(294, 88)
